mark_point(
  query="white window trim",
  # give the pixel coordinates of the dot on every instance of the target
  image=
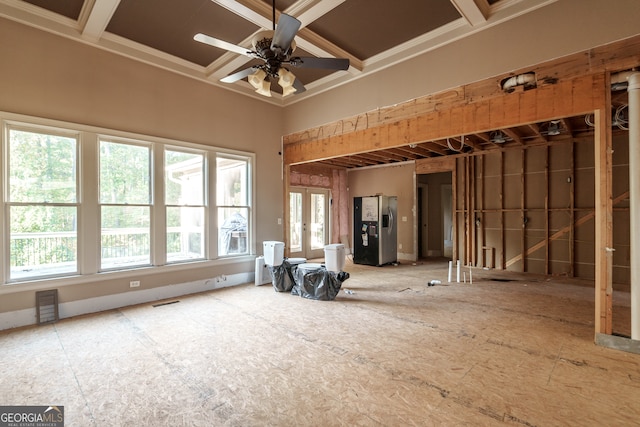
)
(88, 138)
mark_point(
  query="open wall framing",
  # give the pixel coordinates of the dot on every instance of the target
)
(532, 209)
(576, 85)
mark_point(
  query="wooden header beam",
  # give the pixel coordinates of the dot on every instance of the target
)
(570, 97)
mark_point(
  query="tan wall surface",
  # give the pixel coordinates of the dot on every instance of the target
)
(556, 30)
(55, 78)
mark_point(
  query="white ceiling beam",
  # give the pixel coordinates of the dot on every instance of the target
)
(306, 11)
(246, 13)
(475, 12)
(98, 18)
(314, 12)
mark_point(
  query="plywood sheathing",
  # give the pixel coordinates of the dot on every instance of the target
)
(394, 352)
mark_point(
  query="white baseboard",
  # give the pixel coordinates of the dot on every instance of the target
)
(25, 317)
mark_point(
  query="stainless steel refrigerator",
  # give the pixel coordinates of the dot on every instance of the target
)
(375, 233)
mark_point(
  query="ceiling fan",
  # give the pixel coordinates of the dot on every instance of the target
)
(275, 48)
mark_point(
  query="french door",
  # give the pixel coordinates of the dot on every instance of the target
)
(308, 222)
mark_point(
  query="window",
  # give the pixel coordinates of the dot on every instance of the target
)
(125, 205)
(79, 200)
(232, 200)
(42, 203)
(185, 209)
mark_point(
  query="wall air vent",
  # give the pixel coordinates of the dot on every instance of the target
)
(47, 306)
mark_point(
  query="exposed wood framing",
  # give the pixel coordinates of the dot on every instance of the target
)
(471, 220)
(502, 235)
(536, 105)
(454, 206)
(483, 235)
(604, 221)
(572, 212)
(546, 210)
(523, 212)
(564, 230)
(575, 85)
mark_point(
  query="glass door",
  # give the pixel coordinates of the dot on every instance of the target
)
(308, 222)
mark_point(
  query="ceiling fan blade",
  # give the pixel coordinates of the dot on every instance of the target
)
(285, 32)
(232, 78)
(203, 38)
(324, 63)
(299, 86)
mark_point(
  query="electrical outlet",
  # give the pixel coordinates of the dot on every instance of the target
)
(404, 219)
(279, 221)
(399, 245)
(134, 283)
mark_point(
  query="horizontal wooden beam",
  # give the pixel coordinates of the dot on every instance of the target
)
(565, 98)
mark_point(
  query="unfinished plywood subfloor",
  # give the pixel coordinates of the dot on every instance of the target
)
(393, 352)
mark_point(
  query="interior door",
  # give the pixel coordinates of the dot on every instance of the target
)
(308, 222)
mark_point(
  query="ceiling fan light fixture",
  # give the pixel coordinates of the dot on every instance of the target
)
(256, 79)
(262, 41)
(288, 90)
(286, 80)
(265, 88)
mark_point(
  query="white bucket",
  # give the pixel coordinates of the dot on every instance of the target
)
(334, 257)
(273, 252)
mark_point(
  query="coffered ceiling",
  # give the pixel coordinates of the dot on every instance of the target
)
(372, 34)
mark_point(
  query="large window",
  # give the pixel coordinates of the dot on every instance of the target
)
(42, 203)
(78, 200)
(125, 205)
(185, 209)
(232, 200)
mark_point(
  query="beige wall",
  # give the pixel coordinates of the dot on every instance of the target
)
(389, 181)
(52, 77)
(556, 30)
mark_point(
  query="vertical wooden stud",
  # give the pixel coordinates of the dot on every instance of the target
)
(454, 197)
(472, 209)
(603, 222)
(546, 210)
(572, 212)
(503, 256)
(523, 239)
(482, 226)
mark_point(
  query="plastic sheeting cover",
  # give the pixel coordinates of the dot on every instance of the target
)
(319, 284)
(281, 277)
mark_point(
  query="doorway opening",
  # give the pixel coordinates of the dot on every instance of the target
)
(435, 215)
(309, 226)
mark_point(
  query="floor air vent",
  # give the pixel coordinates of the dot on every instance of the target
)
(47, 306)
(160, 304)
